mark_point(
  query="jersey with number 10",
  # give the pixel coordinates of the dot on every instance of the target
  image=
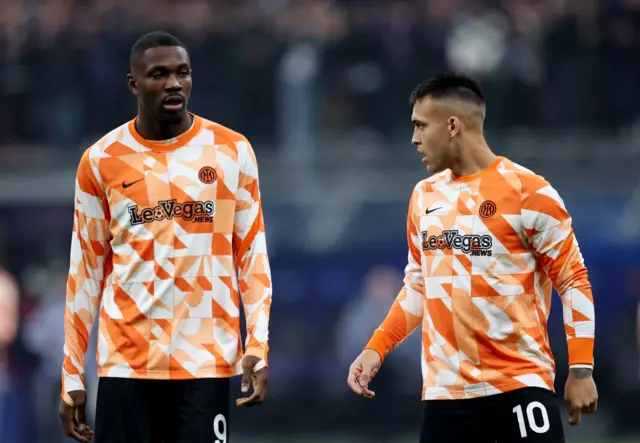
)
(485, 252)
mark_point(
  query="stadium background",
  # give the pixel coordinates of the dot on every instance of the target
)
(321, 89)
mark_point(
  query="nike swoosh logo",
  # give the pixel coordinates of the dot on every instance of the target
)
(126, 185)
(429, 211)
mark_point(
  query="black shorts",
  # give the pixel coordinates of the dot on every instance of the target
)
(162, 411)
(528, 415)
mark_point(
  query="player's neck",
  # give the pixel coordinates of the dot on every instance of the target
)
(474, 157)
(152, 129)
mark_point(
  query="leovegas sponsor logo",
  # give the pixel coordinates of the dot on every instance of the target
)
(194, 211)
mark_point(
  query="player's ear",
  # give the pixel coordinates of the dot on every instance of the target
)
(132, 84)
(453, 126)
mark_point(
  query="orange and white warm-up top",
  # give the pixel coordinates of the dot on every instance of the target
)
(168, 237)
(485, 252)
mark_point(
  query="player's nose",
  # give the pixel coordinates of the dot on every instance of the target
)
(172, 84)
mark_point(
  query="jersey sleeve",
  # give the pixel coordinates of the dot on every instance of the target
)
(550, 234)
(407, 310)
(251, 258)
(89, 256)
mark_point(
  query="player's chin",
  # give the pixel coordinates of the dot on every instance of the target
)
(433, 167)
(171, 117)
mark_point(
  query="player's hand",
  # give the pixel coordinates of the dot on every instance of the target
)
(580, 394)
(362, 371)
(73, 417)
(258, 379)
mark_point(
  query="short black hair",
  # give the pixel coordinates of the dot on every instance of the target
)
(153, 40)
(449, 85)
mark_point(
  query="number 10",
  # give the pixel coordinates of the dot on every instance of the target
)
(538, 429)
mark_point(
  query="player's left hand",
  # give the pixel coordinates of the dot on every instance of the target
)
(580, 394)
(258, 379)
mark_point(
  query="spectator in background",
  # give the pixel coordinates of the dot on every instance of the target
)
(43, 333)
(638, 333)
(9, 314)
(360, 318)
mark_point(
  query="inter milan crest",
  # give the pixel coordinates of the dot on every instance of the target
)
(207, 175)
(487, 209)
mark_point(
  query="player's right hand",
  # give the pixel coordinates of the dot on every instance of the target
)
(73, 417)
(362, 371)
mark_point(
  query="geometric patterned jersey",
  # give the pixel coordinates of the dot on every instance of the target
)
(168, 241)
(485, 252)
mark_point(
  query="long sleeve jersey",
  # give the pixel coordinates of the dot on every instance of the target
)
(485, 252)
(168, 239)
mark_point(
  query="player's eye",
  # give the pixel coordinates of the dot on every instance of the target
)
(156, 74)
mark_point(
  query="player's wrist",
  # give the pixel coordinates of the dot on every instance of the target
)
(381, 356)
(67, 399)
(581, 371)
(381, 343)
(259, 352)
(73, 397)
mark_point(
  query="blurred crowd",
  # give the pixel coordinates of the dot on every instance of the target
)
(545, 63)
(291, 72)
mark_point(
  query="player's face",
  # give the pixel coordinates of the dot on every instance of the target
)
(162, 81)
(431, 135)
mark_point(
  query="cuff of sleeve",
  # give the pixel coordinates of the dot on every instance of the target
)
(381, 343)
(580, 366)
(580, 351)
(74, 382)
(260, 352)
(71, 383)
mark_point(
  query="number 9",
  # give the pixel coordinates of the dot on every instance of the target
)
(220, 428)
